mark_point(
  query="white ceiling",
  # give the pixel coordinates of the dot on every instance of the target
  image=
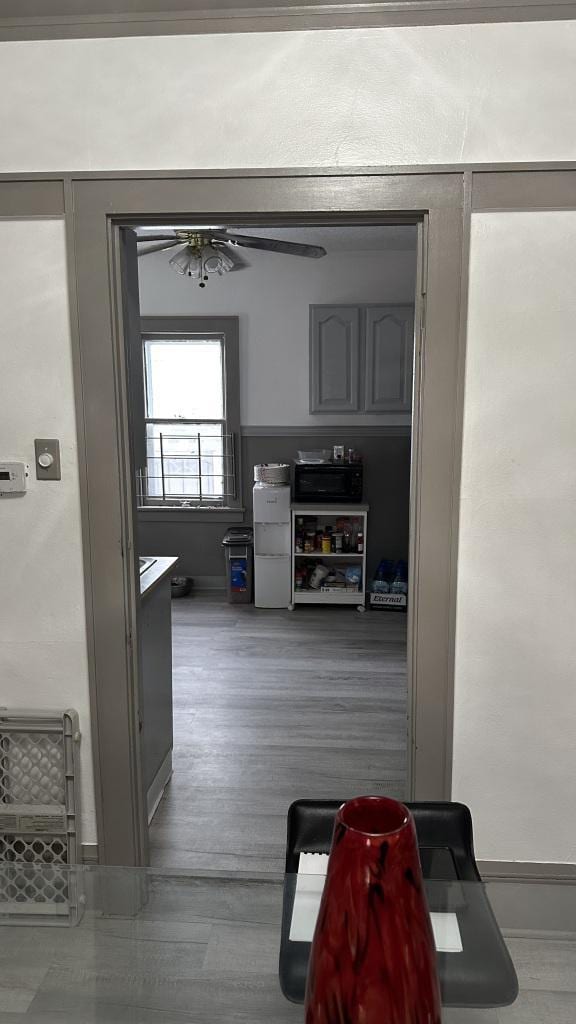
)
(341, 238)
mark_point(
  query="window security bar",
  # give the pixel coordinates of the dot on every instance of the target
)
(196, 468)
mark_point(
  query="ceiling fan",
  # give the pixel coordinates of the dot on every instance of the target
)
(203, 251)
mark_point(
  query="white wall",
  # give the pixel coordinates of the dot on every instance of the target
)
(375, 96)
(514, 743)
(42, 620)
(389, 96)
(272, 297)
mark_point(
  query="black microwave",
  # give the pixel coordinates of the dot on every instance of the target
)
(328, 482)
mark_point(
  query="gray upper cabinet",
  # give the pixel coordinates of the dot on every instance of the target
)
(334, 359)
(389, 339)
(361, 358)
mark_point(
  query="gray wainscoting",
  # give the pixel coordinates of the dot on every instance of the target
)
(386, 489)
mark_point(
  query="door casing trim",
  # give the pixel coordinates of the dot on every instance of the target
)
(100, 206)
(197, 19)
(538, 186)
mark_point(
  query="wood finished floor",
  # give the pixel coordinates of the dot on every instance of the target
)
(205, 951)
(271, 706)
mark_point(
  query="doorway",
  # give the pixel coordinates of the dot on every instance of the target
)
(100, 208)
(295, 360)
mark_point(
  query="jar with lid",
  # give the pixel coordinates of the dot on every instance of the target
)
(309, 540)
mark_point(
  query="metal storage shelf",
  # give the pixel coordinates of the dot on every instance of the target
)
(342, 555)
(317, 597)
(357, 509)
(346, 597)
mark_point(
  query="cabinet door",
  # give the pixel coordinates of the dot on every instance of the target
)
(389, 358)
(334, 359)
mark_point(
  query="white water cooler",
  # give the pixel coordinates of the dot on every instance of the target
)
(272, 556)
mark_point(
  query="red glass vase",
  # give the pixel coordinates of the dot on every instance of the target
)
(373, 959)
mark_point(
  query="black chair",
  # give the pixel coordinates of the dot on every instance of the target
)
(483, 974)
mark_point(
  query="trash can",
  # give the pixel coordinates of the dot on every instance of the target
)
(238, 544)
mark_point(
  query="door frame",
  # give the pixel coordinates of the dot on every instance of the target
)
(100, 206)
(498, 187)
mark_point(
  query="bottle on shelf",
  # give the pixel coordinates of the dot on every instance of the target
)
(299, 536)
(380, 585)
(309, 542)
(399, 584)
(360, 543)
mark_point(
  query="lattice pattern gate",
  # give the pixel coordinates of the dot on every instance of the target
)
(39, 839)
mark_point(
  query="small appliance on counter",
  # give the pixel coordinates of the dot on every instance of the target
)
(272, 565)
(336, 482)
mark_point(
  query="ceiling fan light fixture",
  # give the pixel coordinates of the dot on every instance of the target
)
(213, 260)
(198, 259)
(187, 261)
(226, 262)
(205, 251)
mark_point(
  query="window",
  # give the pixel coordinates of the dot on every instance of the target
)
(191, 409)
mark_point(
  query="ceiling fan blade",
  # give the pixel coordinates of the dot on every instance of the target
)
(159, 247)
(272, 244)
(156, 236)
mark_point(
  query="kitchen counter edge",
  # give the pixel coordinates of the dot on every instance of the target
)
(156, 573)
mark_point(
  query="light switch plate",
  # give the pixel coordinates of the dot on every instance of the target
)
(47, 446)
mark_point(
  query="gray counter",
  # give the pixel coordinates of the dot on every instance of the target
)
(156, 678)
(157, 573)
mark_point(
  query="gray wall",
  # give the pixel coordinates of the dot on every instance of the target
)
(272, 297)
(386, 489)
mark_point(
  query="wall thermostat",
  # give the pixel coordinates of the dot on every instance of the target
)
(13, 478)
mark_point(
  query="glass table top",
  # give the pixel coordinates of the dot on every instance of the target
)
(118, 945)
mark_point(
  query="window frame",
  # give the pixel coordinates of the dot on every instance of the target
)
(227, 328)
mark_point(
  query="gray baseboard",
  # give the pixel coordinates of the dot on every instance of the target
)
(209, 583)
(526, 870)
